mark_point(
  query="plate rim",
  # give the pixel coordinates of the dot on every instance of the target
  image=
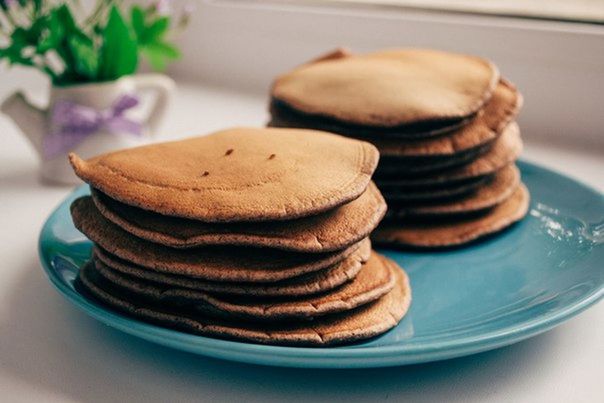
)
(324, 357)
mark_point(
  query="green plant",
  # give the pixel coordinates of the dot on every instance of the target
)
(74, 45)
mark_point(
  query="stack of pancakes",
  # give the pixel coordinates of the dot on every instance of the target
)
(253, 234)
(445, 127)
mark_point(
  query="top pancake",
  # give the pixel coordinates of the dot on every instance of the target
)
(390, 88)
(240, 174)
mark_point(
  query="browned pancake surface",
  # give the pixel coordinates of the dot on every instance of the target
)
(500, 187)
(216, 263)
(445, 233)
(306, 284)
(395, 194)
(335, 229)
(504, 151)
(362, 323)
(240, 174)
(284, 116)
(485, 128)
(425, 166)
(373, 281)
(390, 88)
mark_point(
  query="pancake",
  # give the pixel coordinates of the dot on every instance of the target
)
(396, 195)
(216, 263)
(454, 232)
(362, 323)
(306, 284)
(504, 151)
(373, 281)
(283, 116)
(390, 88)
(332, 230)
(499, 188)
(419, 166)
(387, 185)
(241, 174)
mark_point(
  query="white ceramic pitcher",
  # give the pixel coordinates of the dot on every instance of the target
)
(95, 102)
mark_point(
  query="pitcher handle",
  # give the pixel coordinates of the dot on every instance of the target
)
(163, 86)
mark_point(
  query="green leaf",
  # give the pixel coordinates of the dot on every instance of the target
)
(148, 31)
(36, 30)
(119, 52)
(138, 22)
(14, 55)
(54, 35)
(19, 37)
(86, 57)
(167, 49)
(5, 53)
(157, 30)
(97, 29)
(160, 54)
(65, 18)
(22, 44)
(37, 7)
(28, 37)
(157, 61)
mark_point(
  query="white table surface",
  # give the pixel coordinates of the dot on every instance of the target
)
(49, 351)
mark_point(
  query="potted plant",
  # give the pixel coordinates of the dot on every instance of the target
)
(91, 57)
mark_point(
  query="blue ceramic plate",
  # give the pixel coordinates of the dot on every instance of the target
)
(515, 285)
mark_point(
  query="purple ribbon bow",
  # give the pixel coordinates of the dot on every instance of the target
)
(71, 123)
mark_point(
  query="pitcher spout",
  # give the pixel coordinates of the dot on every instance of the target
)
(30, 119)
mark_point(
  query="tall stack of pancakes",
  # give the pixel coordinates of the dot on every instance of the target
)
(445, 127)
(253, 234)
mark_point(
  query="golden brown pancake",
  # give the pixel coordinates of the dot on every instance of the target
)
(500, 187)
(241, 174)
(306, 284)
(334, 229)
(390, 88)
(499, 111)
(373, 281)
(504, 151)
(215, 263)
(362, 323)
(416, 194)
(450, 232)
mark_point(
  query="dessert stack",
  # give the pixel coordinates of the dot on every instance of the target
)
(445, 127)
(251, 234)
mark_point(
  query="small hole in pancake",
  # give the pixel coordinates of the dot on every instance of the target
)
(229, 151)
(272, 156)
(205, 173)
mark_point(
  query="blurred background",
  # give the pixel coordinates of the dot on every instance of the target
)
(579, 10)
